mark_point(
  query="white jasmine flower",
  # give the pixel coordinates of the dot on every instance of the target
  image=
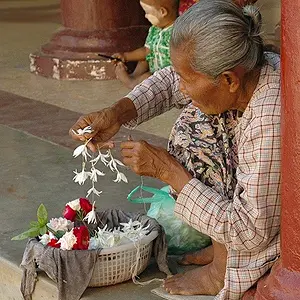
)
(102, 157)
(121, 177)
(52, 236)
(75, 204)
(119, 162)
(107, 241)
(136, 233)
(91, 216)
(94, 173)
(60, 224)
(143, 231)
(80, 131)
(105, 238)
(101, 231)
(93, 190)
(82, 150)
(45, 239)
(96, 159)
(81, 177)
(112, 165)
(78, 150)
(130, 225)
(67, 241)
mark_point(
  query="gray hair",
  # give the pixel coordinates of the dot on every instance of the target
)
(219, 35)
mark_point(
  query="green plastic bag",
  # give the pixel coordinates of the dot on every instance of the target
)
(181, 237)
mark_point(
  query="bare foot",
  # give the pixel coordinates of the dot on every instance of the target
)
(207, 280)
(201, 257)
(122, 75)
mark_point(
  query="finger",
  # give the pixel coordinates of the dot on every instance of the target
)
(128, 144)
(79, 125)
(75, 136)
(106, 145)
(129, 162)
(121, 65)
(94, 146)
(127, 152)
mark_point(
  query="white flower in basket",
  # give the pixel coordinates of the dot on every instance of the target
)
(91, 217)
(67, 241)
(60, 223)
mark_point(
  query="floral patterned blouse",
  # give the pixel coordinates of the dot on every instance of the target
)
(205, 146)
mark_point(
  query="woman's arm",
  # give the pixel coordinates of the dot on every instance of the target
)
(156, 95)
(152, 97)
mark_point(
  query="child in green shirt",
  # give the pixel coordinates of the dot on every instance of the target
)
(155, 54)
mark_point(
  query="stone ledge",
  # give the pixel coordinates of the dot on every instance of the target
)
(71, 68)
(10, 280)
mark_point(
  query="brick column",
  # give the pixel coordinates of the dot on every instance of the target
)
(90, 27)
(283, 283)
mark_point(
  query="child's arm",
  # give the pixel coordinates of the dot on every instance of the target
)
(135, 55)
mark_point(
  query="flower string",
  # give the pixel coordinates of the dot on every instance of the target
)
(93, 173)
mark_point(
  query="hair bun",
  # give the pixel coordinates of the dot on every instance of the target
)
(255, 20)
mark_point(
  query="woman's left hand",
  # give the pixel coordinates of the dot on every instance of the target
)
(145, 159)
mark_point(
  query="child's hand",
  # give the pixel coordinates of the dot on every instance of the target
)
(121, 56)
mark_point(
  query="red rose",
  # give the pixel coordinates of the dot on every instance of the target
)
(53, 243)
(85, 205)
(69, 213)
(83, 238)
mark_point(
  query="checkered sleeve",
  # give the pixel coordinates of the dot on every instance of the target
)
(251, 219)
(156, 95)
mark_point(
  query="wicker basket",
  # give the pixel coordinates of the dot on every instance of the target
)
(117, 264)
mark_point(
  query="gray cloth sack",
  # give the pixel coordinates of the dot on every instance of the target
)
(72, 270)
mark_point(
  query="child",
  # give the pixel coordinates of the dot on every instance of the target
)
(155, 54)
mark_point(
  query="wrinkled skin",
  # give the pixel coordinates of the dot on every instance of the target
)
(104, 125)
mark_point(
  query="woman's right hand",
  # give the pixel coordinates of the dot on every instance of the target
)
(104, 125)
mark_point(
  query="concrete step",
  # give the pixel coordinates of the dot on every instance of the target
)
(11, 275)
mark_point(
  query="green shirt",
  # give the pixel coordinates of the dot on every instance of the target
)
(158, 41)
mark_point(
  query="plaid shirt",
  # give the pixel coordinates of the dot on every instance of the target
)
(249, 223)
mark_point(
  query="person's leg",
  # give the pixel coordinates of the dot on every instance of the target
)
(200, 257)
(206, 280)
(140, 73)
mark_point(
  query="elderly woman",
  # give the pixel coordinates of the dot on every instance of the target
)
(223, 162)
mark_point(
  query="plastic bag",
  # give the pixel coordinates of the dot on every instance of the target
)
(181, 237)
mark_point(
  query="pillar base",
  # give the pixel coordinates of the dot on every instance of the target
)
(281, 284)
(73, 55)
(71, 68)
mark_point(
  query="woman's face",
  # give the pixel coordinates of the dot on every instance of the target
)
(209, 95)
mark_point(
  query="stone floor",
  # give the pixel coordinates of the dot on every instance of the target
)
(36, 151)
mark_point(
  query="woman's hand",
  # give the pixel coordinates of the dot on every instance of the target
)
(148, 160)
(104, 125)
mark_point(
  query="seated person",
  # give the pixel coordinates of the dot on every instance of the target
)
(233, 123)
(155, 54)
